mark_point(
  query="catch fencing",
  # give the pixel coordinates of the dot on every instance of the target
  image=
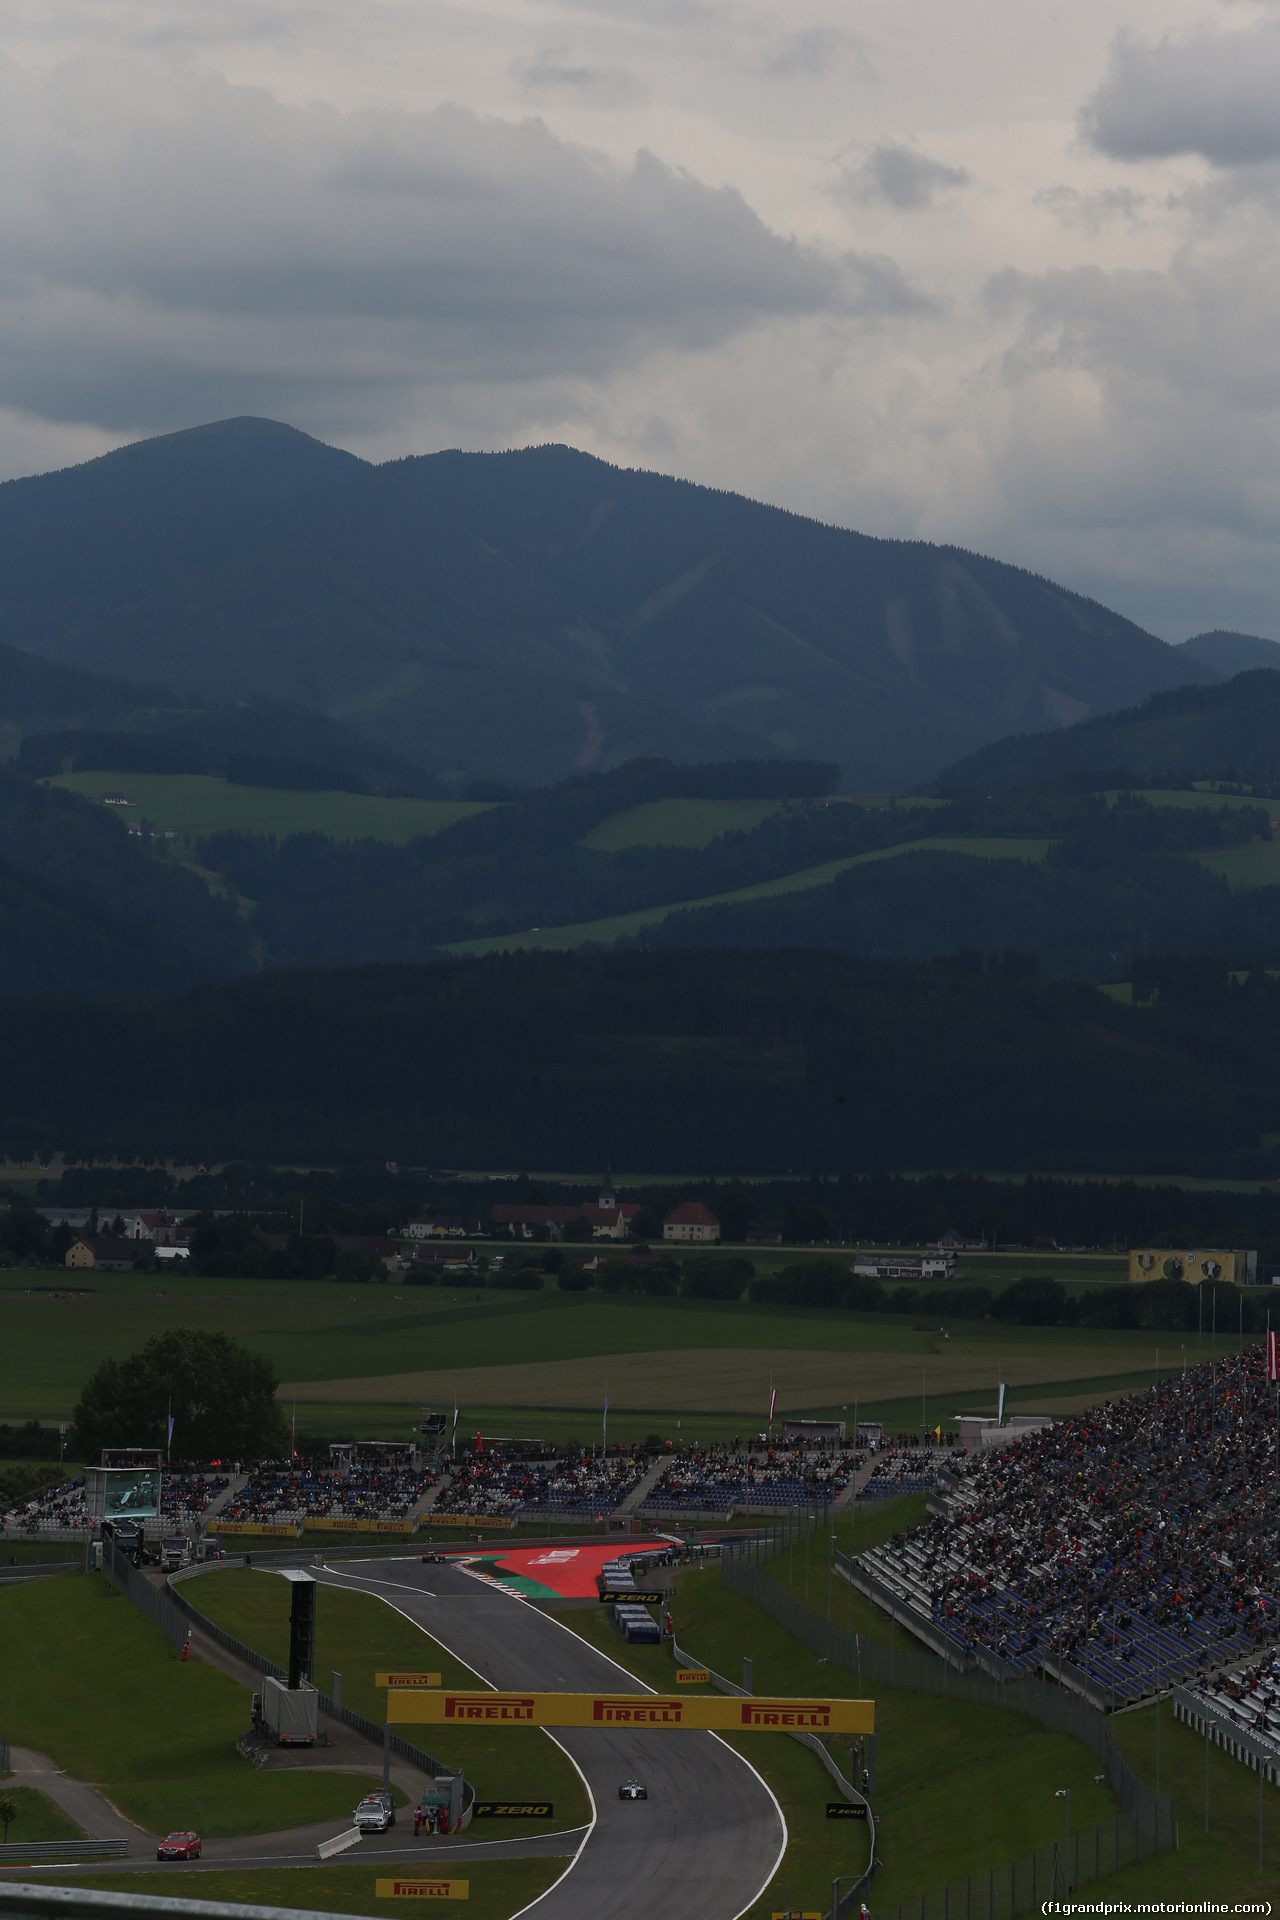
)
(841, 1903)
(167, 1609)
(1145, 1826)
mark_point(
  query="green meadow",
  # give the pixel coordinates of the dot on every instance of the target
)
(194, 804)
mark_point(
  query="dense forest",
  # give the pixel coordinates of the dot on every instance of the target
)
(743, 1063)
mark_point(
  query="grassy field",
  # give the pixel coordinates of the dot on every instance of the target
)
(678, 823)
(360, 1635)
(497, 1888)
(1256, 864)
(196, 804)
(514, 1360)
(38, 1819)
(557, 939)
(89, 1681)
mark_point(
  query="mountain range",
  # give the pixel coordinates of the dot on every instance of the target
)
(511, 616)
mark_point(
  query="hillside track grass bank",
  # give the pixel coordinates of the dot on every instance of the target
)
(87, 1680)
(497, 1888)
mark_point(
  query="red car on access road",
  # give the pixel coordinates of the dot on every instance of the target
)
(179, 1846)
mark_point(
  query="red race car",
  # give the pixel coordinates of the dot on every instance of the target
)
(179, 1846)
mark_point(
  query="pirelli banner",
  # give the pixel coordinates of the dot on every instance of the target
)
(479, 1522)
(699, 1713)
(356, 1525)
(261, 1529)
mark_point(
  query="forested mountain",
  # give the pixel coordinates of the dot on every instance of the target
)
(512, 615)
(87, 910)
(1229, 732)
(1230, 653)
(41, 694)
(728, 1063)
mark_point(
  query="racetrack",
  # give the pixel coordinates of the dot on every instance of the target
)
(707, 1840)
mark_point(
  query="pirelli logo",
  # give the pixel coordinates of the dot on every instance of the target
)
(476, 1708)
(787, 1715)
(417, 1889)
(638, 1710)
(712, 1713)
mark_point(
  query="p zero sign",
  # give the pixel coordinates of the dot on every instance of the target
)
(699, 1713)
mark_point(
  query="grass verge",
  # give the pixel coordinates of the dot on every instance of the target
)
(37, 1818)
(360, 1635)
(89, 1681)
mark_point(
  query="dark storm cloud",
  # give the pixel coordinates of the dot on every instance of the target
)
(902, 176)
(238, 248)
(1217, 95)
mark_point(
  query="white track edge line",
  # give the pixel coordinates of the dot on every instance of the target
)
(591, 1825)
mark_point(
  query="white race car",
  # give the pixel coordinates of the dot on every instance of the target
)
(632, 1790)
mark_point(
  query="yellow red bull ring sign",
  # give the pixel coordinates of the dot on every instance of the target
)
(699, 1713)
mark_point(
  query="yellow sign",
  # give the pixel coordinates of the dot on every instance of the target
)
(418, 1889)
(793, 1913)
(355, 1525)
(273, 1530)
(711, 1713)
(406, 1679)
(476, 1520)
(692, 1676)
(1199, 1265)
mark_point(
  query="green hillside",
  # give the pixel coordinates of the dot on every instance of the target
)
(198, 804)
(514, 615)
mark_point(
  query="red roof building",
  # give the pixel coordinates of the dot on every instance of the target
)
(691, 1221)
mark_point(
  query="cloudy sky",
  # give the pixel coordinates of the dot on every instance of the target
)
(991, 273)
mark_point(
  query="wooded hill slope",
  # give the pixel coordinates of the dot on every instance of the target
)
(512, 615)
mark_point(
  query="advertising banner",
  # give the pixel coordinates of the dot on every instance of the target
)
(710, 1713)
(354, 1525)
(633, 1599)
(477, 1520)
(846, 1810)
(271, 1529)
(406, 1679)
(513, 1810)
(692, 1676)
(414, 1887)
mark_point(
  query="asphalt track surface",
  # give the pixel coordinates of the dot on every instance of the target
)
(708, 1839)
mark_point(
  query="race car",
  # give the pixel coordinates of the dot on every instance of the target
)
(632, 1790)
(179, 1846)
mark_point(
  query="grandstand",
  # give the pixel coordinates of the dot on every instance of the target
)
(1122, 1550)
(718, 1481)
(59, 1509)
(279, 1492)
(911, 1470)
(577, 1486)
(187, 1492)
(1247, 1699)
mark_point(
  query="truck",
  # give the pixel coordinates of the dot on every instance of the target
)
(290, 1715)
(174, 1552)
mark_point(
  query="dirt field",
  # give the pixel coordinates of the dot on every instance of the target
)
(727, 1380)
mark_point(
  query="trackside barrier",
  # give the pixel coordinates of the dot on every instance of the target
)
(166, 1608)
(842, 1903)
(4, 1754)
(1217, 1725)
(65, 1903)
(1146, 1826)
(64, 1850)
(339, 1843)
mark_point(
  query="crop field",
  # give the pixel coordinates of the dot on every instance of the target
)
(366, 1360)
(195, 804)
(557, 939)
(678, 823)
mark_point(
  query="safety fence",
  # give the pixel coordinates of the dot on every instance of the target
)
(841, 1903)
(4, 1754)
(167, 1609)
(37, 1851)
(1145, 1826)
(1215, 1724)
(1025, 1884)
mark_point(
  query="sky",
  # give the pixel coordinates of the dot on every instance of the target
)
(1001, 275)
